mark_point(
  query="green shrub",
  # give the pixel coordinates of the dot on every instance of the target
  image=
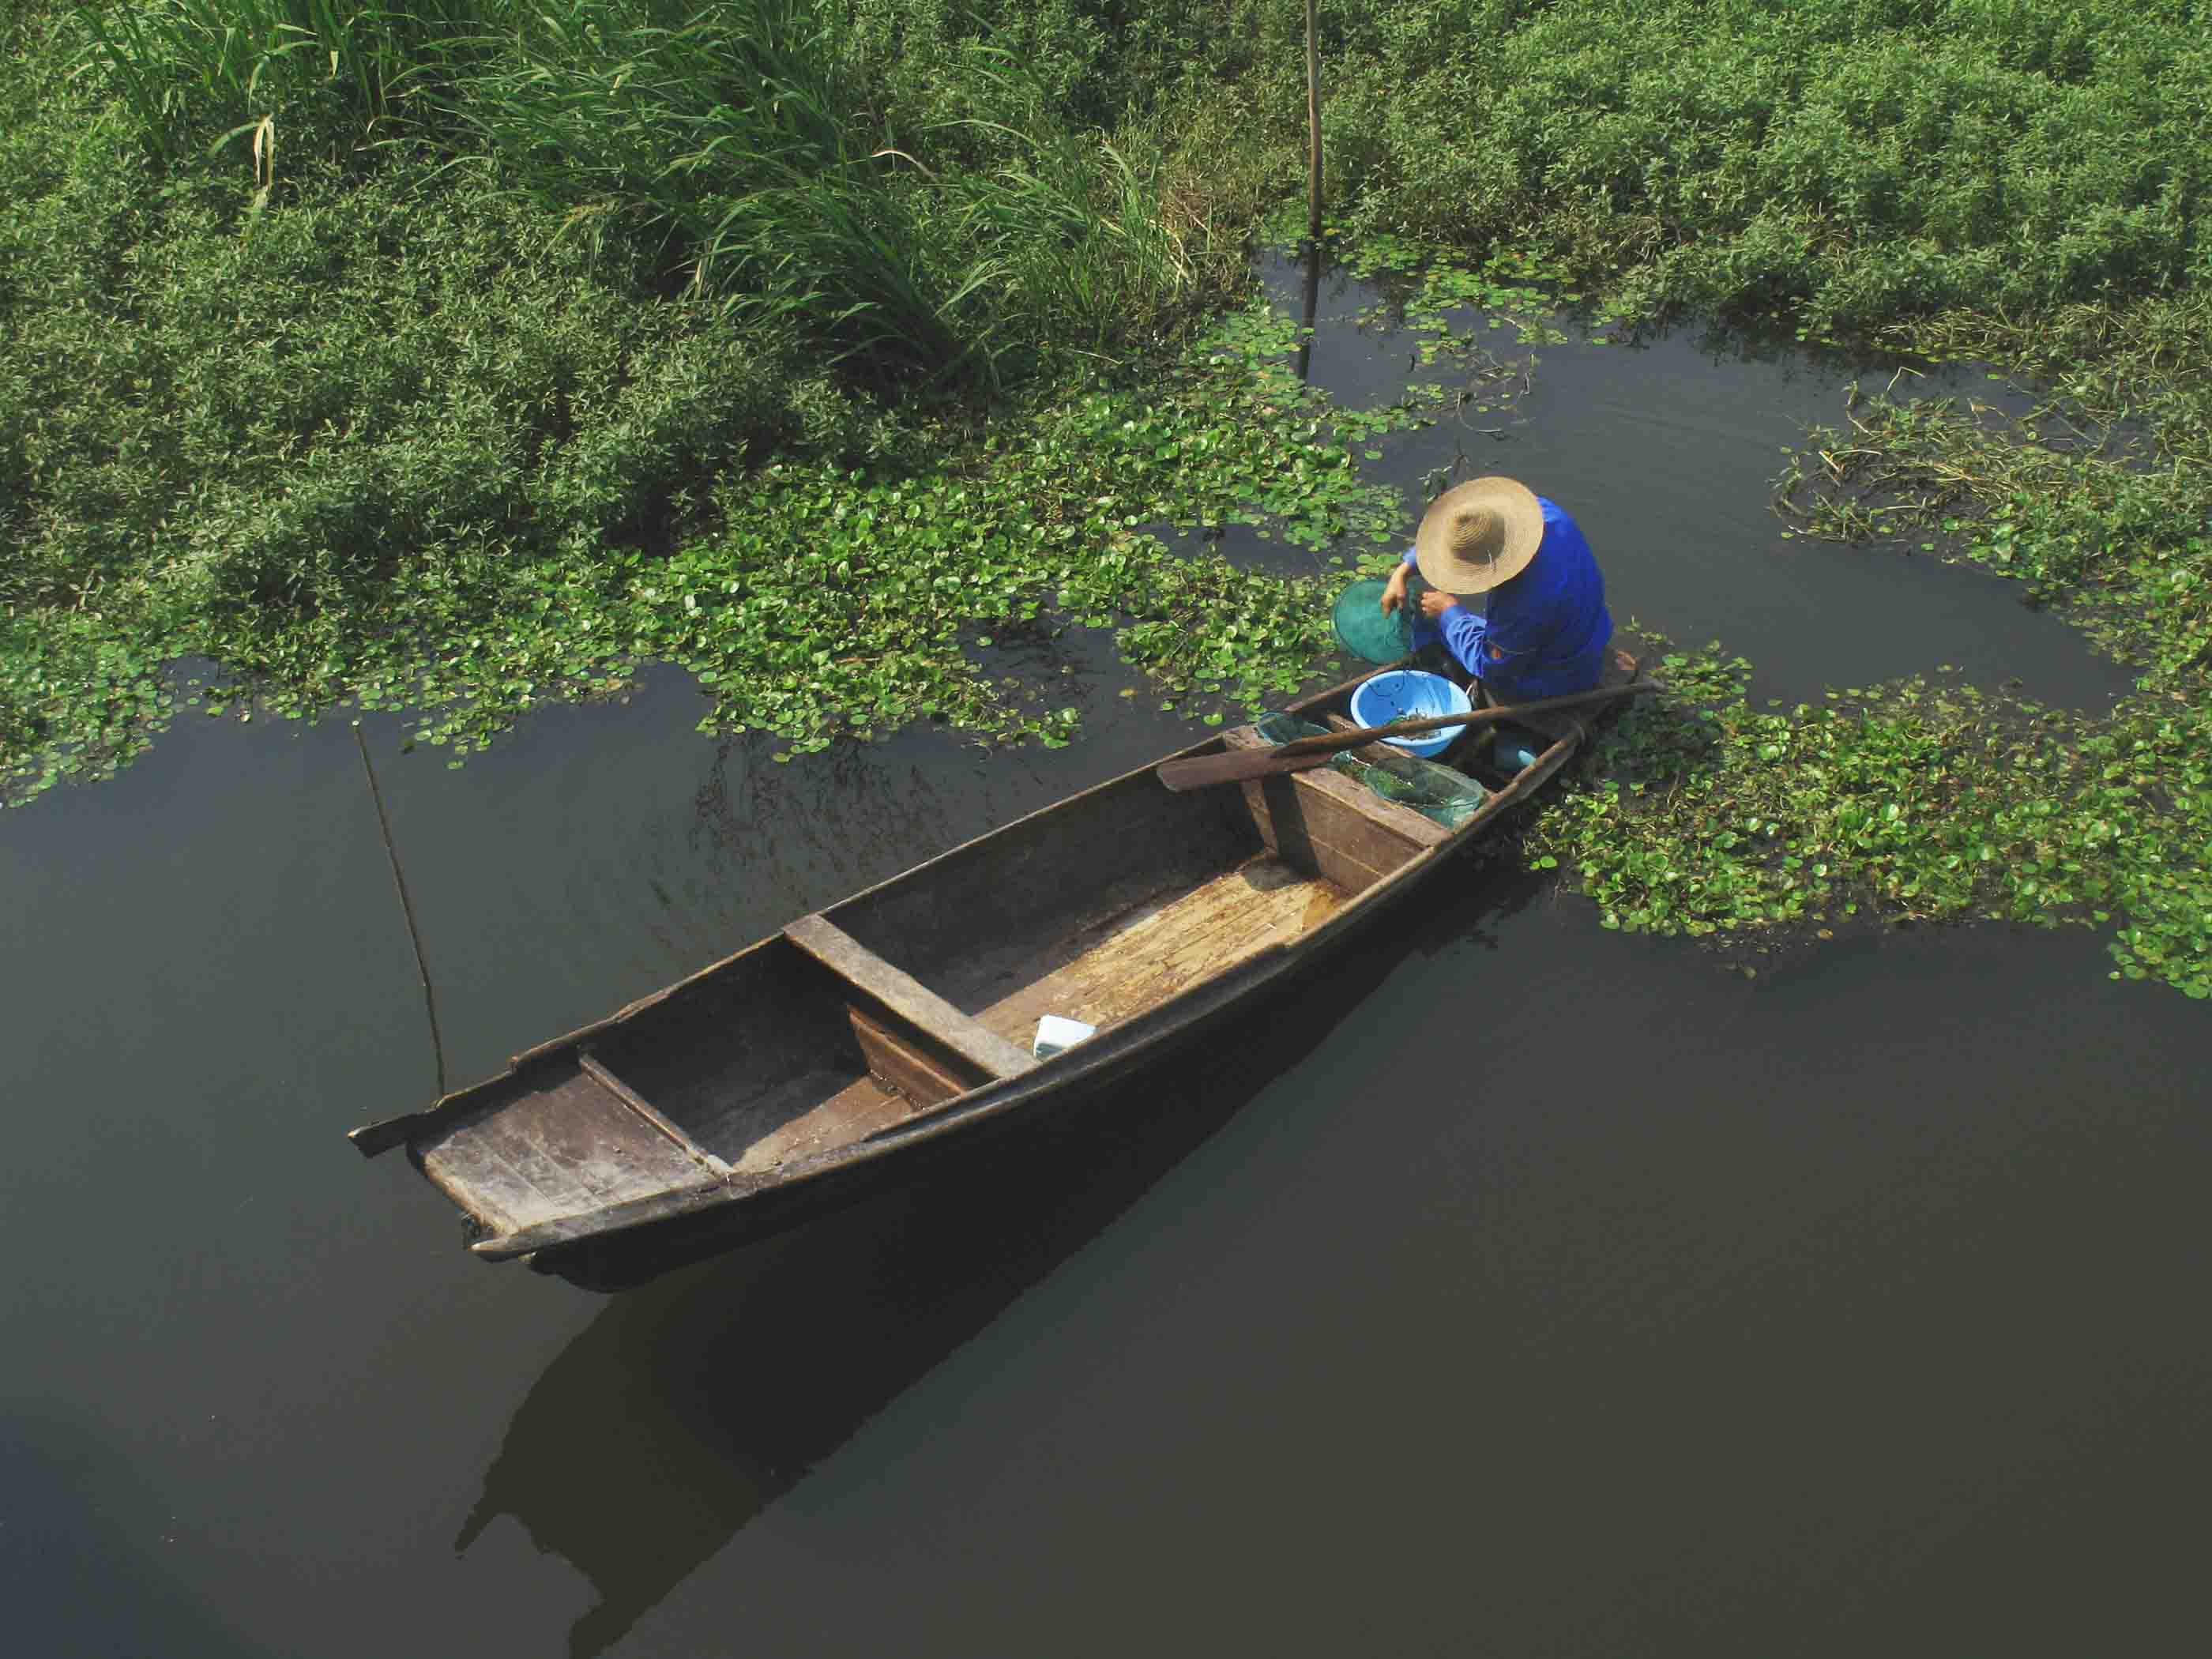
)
(947, 219)
(1858, 161)
(266, 410)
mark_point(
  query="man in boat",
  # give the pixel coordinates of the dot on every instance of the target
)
(1544, 629)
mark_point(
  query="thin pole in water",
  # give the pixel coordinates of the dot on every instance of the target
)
(406, 908)
(1313, 122)
(1312, 304)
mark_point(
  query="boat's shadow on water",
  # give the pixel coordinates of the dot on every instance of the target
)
(693, 1402)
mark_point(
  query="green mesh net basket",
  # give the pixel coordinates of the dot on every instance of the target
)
(1365, 631)
(1436, 792)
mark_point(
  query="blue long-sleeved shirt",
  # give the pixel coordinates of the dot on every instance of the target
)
(1543, 633)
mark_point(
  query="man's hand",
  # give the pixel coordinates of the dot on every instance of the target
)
(1393, 591)
(1434, 605)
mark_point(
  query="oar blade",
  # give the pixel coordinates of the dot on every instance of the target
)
(1231, 766)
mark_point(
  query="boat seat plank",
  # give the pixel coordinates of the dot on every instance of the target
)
(1406, 823)
(917, 1070)
(908, 997)
(857, 1110)
(1166, 944)
(567, 1147)
(1324, 823)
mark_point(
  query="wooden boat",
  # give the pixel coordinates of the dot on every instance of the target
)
(862, 1043)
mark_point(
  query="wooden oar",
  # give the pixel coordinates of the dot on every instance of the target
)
(1302, 754)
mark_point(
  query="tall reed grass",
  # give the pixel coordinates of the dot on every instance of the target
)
(177, 63)
(740, 140)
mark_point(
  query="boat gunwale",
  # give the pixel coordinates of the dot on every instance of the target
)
(1122, 1047)
(372, 1140)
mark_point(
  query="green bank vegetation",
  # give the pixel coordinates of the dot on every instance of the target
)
(419, 355)
(459, 354)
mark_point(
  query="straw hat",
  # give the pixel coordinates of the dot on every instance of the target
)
(1478, 534)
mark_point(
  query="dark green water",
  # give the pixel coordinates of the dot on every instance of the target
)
(1522, 1289)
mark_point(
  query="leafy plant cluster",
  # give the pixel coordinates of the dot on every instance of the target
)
(1848, 162)
(2121, 541)
(1424, 285)
(242, 442)
(1853, 160)
(1703, 815)
(908, 216)
(835, 602)
(421, 451)
(1934, 800)
(458, 355)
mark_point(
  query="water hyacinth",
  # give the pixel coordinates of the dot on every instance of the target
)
(461, 354)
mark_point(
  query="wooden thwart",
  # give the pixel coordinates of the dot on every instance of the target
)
(925, 1078)
(1324, 823)
(908, 997)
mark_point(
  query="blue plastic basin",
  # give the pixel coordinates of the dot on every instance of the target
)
(1408, 694)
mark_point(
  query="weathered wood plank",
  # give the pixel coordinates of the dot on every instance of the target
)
(564, 1146)
(1048, 877)
(644, 1108)
(1323, 821)
(1162, 948)
(526, 1174)
(1410, 825)
(1317, 832)
(926, 1077)
(486, 1186)
(701, 1191)
(859, 1110)
(1404, 824)
(908, 997)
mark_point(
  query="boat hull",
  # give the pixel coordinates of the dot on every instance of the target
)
(882, 1041)
(1248, 1038)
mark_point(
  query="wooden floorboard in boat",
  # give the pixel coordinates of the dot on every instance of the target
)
(558, 1151)
(727, 1126)
(1168, 945)
(860, 1108)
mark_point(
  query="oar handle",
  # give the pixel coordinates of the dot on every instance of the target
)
(1241, 765)
(1325, 742)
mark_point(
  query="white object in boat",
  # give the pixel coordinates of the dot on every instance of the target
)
(1055, 1034)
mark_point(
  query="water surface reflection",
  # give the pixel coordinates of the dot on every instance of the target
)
(690, 1405)
(1556, 1292)
(1665, 450)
